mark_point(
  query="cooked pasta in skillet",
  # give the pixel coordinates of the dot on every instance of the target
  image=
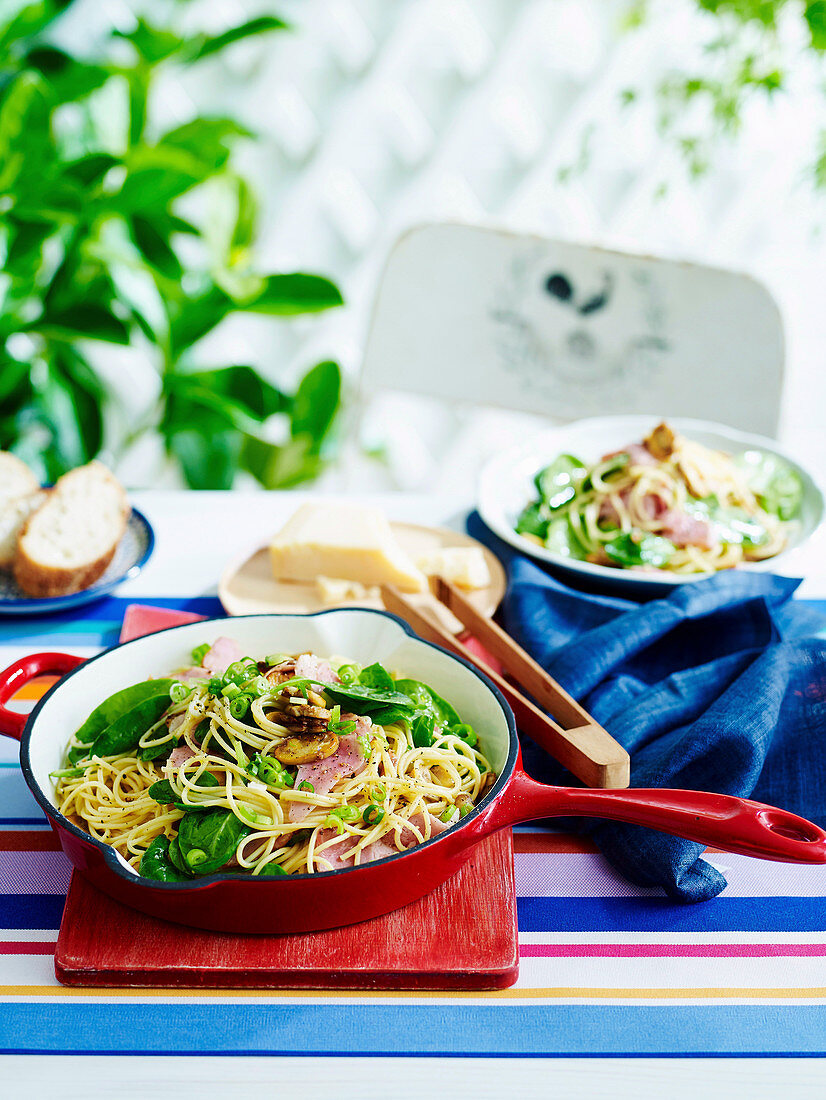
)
(667, 503)
(280, 765)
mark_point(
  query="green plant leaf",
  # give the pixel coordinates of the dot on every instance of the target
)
(288, 295)
(25, 132)
(195, 317)
(84, 320)
(90, 169)
(815, 16)
(208, 461)
(243, 385)
(151, 43)
(281, 466)
(207, 139)
(156, 863)
(245, 223)
(206, 45)
(157, 175)
(30, 20)
(68, 77)
(316, 402)
(155, 247)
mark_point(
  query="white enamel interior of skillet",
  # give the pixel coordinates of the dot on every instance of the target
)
(357, 635)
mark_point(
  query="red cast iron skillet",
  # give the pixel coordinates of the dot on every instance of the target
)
(300, 903)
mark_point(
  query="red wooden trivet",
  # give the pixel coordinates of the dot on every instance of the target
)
(462, 936)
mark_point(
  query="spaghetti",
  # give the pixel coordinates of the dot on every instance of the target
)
(259, 769)
(667, 503)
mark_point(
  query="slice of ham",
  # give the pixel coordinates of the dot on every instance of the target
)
(639, 455)
(341, 855)
(315, 668)
(347, 760)
(179, 755)
(224, 652)
(191, 675)
(686, 530)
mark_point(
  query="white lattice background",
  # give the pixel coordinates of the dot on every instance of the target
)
(374, 115)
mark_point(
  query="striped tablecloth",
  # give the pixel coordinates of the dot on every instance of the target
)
(605, 967)
(607, 971)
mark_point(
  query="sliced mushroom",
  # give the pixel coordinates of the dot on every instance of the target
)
(306, 750)
(661, 441)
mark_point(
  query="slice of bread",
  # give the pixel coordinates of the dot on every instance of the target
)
(69, 540)
(16, 479)
(13, 515)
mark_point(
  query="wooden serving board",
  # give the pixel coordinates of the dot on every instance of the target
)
(462, 936)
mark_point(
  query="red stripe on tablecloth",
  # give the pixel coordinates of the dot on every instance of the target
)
(28, 840)
(670, 950)
(32, 947)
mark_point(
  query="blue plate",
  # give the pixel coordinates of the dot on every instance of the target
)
(133, 552)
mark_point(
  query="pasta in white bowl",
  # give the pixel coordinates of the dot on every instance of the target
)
(642, 504)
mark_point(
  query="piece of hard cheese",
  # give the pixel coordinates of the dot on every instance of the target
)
(345, 541)
(461, 565)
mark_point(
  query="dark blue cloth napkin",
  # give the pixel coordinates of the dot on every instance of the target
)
(720, 686)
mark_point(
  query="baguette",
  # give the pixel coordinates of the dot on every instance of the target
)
(70, 539)
(16, 479)
(13, 516)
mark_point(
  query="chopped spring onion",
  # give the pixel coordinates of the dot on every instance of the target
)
(67, 773)
(341, 814)
(465, 809)
(466, 732)
(178, 692)
(379, 793)
(335, 725)
(372, 814)
(215, 684)
(363, 743)
(239, 706)
(448, 814)
(348, 674)
(248, 814)
(276, 659)
(236, 673)
(306, 785)
(199, 652)
(230, 691)
(195, 857)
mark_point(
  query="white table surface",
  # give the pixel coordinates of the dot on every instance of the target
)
(197, 534)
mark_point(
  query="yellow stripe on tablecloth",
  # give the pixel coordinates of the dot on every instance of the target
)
(566, 993)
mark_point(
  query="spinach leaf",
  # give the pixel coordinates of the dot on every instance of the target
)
(156, 863)
(155, 752)
(115, 707)
(773, 481)
(376, 676)
(558, 483)
(387, 716)
(271, 869)
(421, 731)
(426, 701)
(650, 550)
(164, 793)
(360, 699)
(534, 520)
(561, 540)
(176, 859)
(208, 840)
(125, 732)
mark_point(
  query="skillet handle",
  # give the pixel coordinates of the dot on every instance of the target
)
(721, 820)
(15, 676)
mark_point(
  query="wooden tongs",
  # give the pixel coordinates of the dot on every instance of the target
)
(571, 736)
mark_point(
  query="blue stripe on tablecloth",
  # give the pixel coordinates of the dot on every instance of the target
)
(31, 910)
(652, 914)
(97, 624)
(412, 1030)
(766, 914)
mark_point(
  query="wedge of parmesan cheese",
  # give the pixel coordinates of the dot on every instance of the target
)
(464, 566)
(336, 590)
(345, 541)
